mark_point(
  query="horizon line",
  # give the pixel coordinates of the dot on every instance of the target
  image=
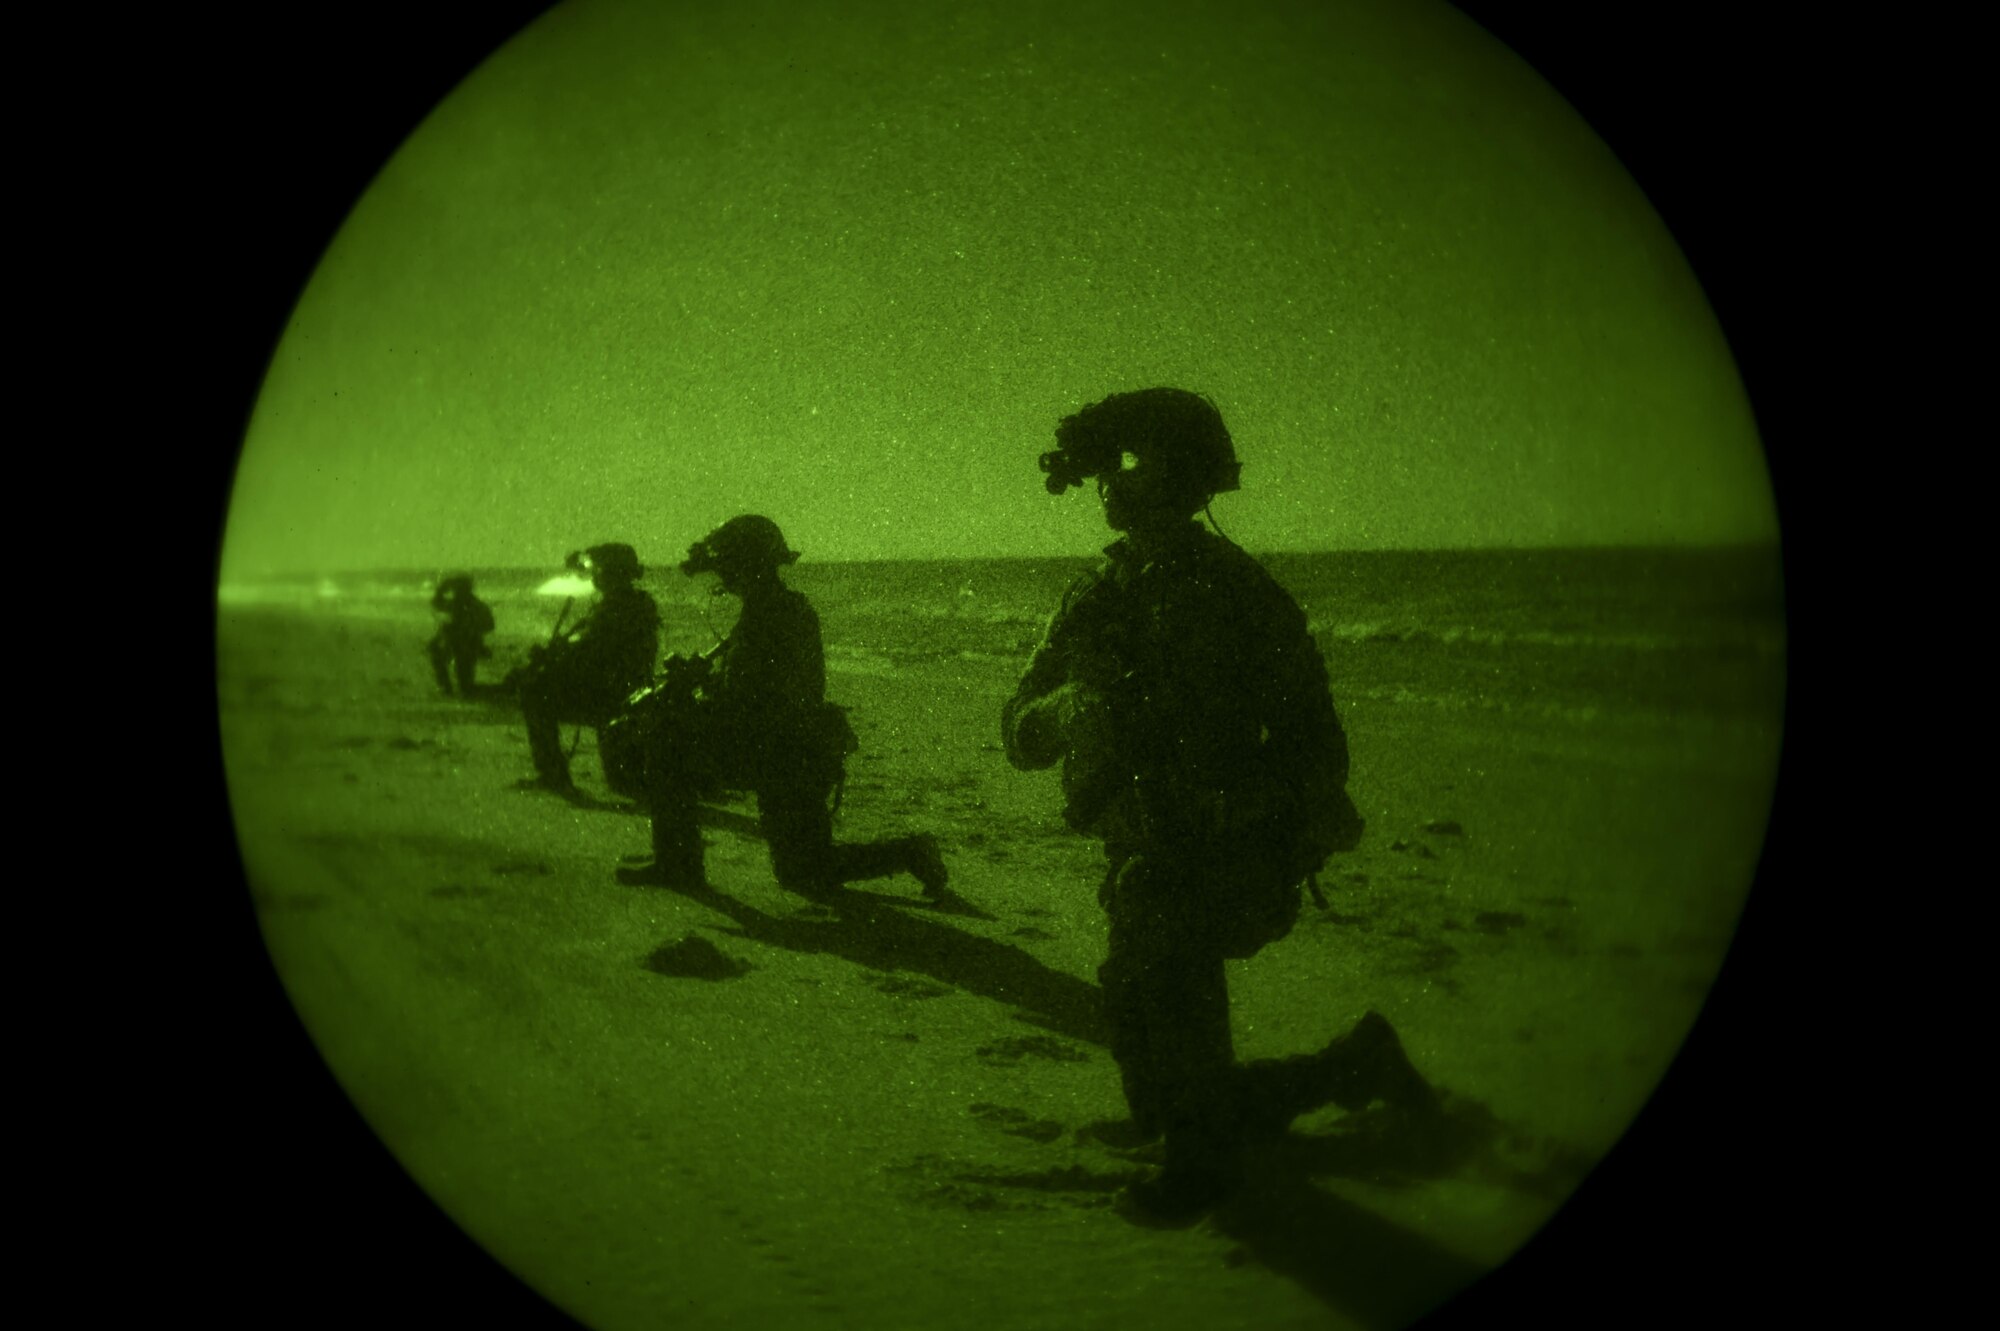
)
(1775, 544)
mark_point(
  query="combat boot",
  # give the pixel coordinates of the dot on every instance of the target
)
(676, 862)
(1369, 1064)
(1202, 1171)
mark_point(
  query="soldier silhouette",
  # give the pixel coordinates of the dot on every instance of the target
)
(1190, 711)
(460, 642)
(752, 715)
(583, 676)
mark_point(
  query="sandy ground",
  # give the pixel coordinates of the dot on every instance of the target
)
(868, 1113)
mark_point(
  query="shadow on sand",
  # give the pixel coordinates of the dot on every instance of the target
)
(879, 932)
(1370, 1269)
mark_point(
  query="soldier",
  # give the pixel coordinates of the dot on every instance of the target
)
(753, 715)
(1189, 707)
(460, 642)
(585, 675)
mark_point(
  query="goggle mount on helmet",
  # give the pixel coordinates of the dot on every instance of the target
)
(1094, 442)
(750, 540)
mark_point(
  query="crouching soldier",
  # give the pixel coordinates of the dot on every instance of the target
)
(584, 676)
(460, 643)
(752, 715)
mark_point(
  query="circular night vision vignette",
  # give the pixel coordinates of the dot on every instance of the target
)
(1105, 1070)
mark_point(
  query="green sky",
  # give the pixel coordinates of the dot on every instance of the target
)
(846, 264)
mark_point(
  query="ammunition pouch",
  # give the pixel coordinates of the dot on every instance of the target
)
(622, 749)
(834, 738)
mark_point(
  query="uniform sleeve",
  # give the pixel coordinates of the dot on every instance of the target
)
(620, 638)
(1031, 722)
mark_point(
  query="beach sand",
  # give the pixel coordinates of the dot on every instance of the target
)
(869, 1113)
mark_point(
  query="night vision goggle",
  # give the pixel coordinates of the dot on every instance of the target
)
(702, 558)
(1077, 460)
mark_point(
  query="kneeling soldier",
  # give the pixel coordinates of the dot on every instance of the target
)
(753, 715)
(584, 676)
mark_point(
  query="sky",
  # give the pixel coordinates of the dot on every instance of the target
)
(657, 263)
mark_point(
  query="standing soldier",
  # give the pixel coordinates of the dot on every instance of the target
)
(585, 675)
(460, 642)
(753, 715)
(1189, 707)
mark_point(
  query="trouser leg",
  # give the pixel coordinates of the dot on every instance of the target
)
(544, 737)
(799, 830)
(674, 765)
(1167, 999)
(435, 648)
(677, 845)
(467, 668)
(799, 827)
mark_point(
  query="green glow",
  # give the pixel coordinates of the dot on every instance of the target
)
(656, 264)
(846, 264)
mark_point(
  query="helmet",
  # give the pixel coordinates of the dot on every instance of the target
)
(456, 582)
(746, 542)
(1168, 428)
(615, 560)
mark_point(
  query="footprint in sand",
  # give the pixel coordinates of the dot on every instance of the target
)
(456, 891)
(1498, 921)
(1010, 1051)
(1016, 1123)
(951, 1183)
(1030, 931)
(904, 986)
(513, 868)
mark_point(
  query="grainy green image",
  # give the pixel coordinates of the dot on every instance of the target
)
(656, 265)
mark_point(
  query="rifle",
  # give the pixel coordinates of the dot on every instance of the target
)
(538, 656)
(627, 742)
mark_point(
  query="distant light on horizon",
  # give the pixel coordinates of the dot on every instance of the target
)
(566, 584)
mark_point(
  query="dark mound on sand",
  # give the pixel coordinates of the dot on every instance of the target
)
(695, 958)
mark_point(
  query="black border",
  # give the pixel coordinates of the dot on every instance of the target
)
(1676, 1226)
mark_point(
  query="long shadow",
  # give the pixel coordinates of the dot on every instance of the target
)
(1369, 1268)
(879, 932)
(1375, 1271)
(1372, 1270)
